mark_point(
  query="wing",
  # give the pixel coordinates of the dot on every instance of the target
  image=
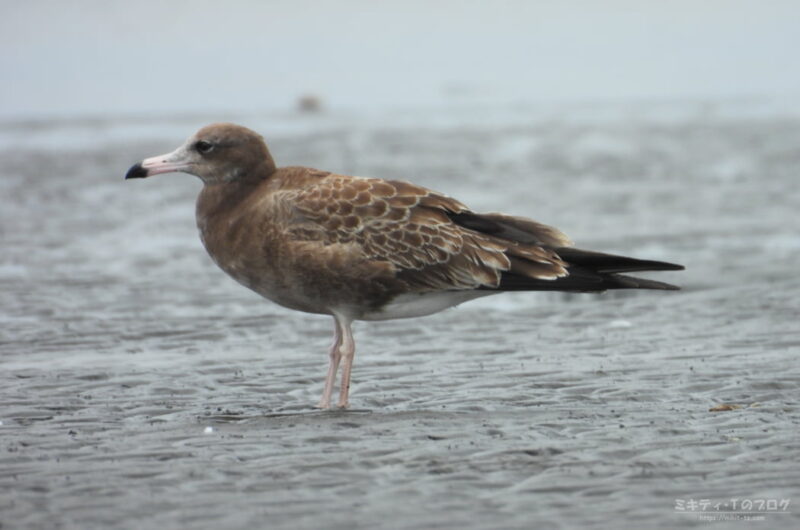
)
(431, 241)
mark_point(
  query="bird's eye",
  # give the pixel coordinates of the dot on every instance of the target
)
(203, 147)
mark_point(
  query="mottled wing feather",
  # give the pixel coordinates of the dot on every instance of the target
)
(413, 229)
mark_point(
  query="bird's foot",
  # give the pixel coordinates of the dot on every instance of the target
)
(326, 405)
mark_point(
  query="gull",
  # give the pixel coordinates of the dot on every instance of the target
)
(361, 248)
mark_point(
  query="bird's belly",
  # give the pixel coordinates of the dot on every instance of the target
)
(273, 285)
(410, 305)
(255, 266)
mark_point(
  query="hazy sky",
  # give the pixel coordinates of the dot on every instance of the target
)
(145, 56)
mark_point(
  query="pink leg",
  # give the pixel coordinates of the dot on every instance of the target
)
(333, 366)
(348, 348)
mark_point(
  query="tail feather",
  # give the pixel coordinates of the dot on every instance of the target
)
(592, 272)
(632, 282)
(579, 283)
(588, 271)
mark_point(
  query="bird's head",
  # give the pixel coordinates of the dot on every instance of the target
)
(217, 154)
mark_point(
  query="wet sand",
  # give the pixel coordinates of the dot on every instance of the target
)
(142, 388)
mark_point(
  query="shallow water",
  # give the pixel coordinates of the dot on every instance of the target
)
(122, 344)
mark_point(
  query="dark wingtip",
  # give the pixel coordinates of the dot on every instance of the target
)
(136, 172)
(632, 282)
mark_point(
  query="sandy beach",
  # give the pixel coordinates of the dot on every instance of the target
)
(140, 387)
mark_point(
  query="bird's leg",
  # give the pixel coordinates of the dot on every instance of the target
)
(347, 349)
(333, 366)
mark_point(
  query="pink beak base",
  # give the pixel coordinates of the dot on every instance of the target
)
(148, 167)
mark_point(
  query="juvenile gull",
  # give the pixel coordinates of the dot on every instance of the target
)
(366, 248)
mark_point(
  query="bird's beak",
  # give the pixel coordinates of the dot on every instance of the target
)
(176, 161)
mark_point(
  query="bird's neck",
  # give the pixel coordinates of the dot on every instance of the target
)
(219, 199)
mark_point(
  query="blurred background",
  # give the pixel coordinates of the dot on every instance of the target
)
(663, 130)
(111, 58)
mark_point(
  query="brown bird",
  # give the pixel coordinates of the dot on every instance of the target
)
(366, 248)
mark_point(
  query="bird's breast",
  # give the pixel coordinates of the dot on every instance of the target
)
(245, 251)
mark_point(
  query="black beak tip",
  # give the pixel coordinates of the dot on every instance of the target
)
(136, 172)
